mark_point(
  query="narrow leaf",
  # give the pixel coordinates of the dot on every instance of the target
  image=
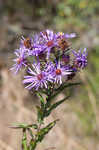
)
(41, 134)
(55, 105)
(23, 126)
(62, 87)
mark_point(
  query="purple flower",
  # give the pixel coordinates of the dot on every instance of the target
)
(37, 46)
(60, 72)
(66, 35)
(35, 51)
(37, 78)
(80, 60)
(46, 69)
(65, 59)
(20, 61)
(71, 35)
(49, 39)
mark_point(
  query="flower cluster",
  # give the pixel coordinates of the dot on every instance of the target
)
(47, 59)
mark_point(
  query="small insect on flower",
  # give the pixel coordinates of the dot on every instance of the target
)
(62, 39)
(63, 43)
(27, 43)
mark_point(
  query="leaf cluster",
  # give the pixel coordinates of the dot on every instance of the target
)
(43, 111)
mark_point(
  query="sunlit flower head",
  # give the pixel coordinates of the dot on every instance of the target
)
(49, 41)
(60, 73)
(37, 78)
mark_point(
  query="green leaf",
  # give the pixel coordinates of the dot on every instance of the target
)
(62, 87)
(41, 134)
(55, 105)
(24, 126)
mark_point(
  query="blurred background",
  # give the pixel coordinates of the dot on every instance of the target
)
(78, 128)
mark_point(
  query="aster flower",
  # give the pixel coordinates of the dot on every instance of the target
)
(37, 78)
(49, 39)
(20, 61)
(45, 71)
(80, 60)
(37, 46)
(60, 72)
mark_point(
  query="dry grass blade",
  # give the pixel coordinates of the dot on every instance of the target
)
(51, 148)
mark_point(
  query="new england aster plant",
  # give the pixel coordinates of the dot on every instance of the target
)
(49, 69)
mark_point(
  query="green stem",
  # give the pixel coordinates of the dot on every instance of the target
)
(33, 144)
(44, 111)
(24, 140)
